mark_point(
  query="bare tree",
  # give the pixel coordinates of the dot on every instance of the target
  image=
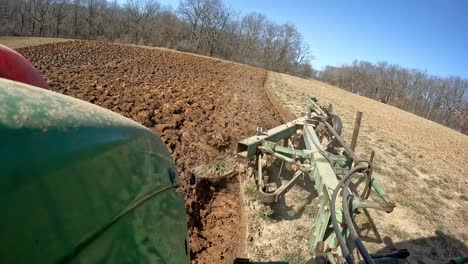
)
(59, 13)
(24, 11)
(198, 14)
(42, 8)
(91, 16)
(252, 26)
(216, 27)
(76, 17)
(140, 13)
(111, 21)
(269, 44)
(168, 29)
(8, 8)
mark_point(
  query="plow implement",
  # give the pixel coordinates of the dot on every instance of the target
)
(313, 147)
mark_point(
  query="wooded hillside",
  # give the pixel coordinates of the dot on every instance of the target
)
(205, 27)
(442, 100)
(209, 27)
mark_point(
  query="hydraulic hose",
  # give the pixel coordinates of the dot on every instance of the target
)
(350, 224)
(336, 227)
(367, 188)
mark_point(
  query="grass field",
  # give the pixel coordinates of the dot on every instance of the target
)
(21, 42)
(421, 164)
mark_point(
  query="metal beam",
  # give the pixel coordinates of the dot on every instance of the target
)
(248, 146)
(325, 180)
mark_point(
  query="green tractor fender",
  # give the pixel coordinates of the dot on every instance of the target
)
(79, 183)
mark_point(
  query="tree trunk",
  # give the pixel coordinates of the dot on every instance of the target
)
(22, 24)
(429, 111)
(33, 27)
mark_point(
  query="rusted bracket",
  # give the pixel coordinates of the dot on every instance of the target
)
(272, 197)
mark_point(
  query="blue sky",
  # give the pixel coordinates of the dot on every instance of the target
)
(427, 35)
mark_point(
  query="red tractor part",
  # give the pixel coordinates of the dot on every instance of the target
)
(15, 67)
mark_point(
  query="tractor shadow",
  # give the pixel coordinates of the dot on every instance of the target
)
(439, 248)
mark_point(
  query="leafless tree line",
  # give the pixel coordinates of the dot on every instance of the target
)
(442, 100)
(210, 28)
(205, 27)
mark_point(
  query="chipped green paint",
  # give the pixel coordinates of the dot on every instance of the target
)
(83, 184)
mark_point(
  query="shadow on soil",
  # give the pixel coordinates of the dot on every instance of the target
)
(440, 248)
(287, 210)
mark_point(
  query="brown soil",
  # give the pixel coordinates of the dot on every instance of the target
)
(200, 107)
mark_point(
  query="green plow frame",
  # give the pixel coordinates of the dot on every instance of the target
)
(325, 165)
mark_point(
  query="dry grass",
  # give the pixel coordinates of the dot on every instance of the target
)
(279, 231)
(420, 163)
(21, 42)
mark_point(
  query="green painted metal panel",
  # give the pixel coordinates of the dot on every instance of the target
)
(248, 146)
(325, 183)
(80, 183)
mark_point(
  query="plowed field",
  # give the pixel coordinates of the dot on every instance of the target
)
(199, 106)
